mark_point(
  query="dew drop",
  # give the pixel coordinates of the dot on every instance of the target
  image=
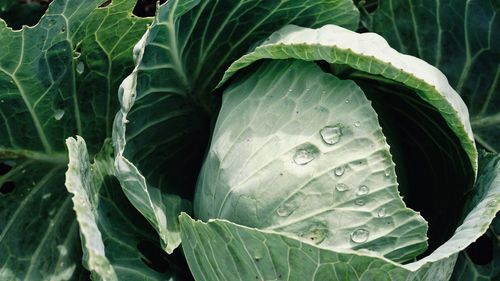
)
(80, 67)
(363, 190)
(331, 134)
(257, 254)
(339, 171)
(381, 212)
(316, 234)
(342, 187)
(305, 154)
(58, 114)
(360, 235)
(347, 101)
(359, 202)
(357, 124)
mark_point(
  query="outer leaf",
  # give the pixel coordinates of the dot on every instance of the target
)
(299, 151)
(163, 125)
(369, 53)
(40, 105)
(460, 38)
(221, 250)
(110, 229)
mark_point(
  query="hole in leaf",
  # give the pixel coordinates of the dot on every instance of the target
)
(22, 12)
(153, 256)
(369, 5)
(146, 8)
(4, 168)
(105, 4)
(481, 251)
(7, 187)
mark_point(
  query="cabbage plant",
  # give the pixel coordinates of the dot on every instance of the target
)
(250, 140)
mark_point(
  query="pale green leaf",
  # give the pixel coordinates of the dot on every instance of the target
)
(431, 141)
(299, 151)
(110, 228)
(221, 250)
(370, 54)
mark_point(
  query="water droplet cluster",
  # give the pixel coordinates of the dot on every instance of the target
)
(305, 154)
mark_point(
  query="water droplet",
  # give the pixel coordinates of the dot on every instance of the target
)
(316, 234)
(47, 195)
(360, 235)
(347, 101)
(359, 202)
(290, 90)
(381, 212)
(357, 124)
(2, 101)
(339, 171)
(342, 187)
(58, 114)
(331, 134)
(363, 190)
(257, 254)
(305, 154)
(80, 67)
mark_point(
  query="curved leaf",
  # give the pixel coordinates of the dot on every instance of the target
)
(110, 237)
(460, 38)
(163, 126)
(369, 53)
(299, 151)
(221, 250)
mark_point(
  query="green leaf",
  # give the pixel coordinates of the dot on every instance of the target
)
(466, 268)
(221, 250)
(460, 38)
(298, 151)
(43, 100)
(163, 126)
(370, 54)
(110, 227)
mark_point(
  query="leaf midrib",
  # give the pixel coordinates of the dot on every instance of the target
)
(55, 158)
